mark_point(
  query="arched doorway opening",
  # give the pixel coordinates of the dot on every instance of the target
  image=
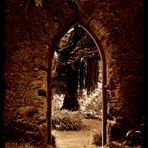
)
(103, 81)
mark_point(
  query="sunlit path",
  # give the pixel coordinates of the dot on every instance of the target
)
(78, 139)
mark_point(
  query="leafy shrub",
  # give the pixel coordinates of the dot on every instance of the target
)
(66, 120)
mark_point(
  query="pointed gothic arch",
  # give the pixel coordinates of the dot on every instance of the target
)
(104, 76)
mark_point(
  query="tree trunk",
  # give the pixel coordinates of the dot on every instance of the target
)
(70, 100)
(92, 74)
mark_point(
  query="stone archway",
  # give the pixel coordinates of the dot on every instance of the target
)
(104, 77)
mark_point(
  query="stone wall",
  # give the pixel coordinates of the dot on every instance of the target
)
(32, 32)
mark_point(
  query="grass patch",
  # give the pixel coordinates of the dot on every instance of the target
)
(67, 120)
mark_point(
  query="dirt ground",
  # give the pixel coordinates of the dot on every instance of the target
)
(70, 139)
(78, 139)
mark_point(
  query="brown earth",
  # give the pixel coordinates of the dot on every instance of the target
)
(78, 139)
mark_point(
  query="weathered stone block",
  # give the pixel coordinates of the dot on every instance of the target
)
(27, 111)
